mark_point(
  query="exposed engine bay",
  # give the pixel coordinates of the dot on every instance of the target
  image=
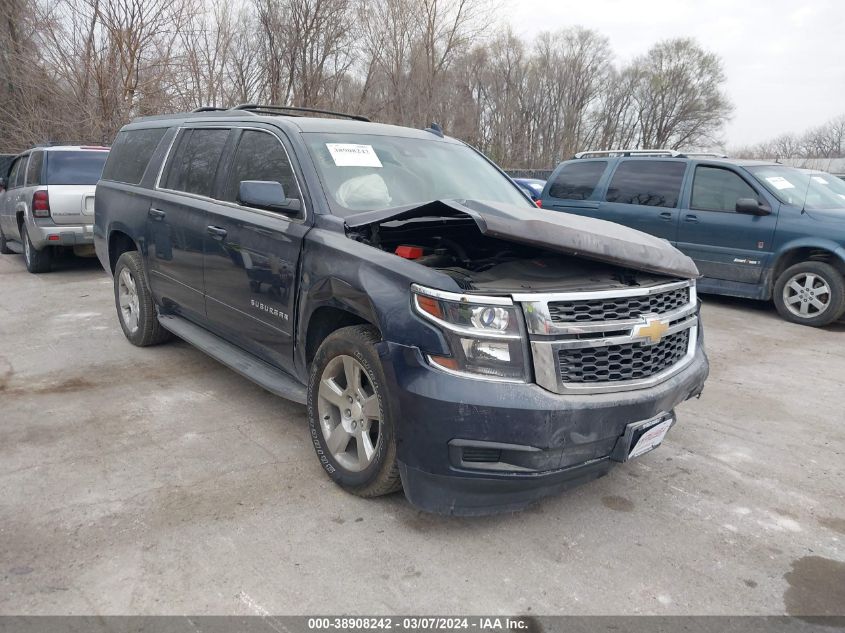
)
(457, 248)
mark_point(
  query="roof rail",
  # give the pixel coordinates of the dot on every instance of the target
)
(295, 111)
(627, 152)
(209, 109)
(68, 143)
(703, 155)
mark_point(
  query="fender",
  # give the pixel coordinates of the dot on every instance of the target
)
(837, 249)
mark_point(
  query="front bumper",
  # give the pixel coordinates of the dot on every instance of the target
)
(45, 233)
(546, 442)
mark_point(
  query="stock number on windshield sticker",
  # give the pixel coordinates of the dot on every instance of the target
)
(353, 155)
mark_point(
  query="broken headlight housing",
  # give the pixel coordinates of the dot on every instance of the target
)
(485, 334)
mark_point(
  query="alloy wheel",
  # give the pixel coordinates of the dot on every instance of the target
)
(807, 295)
(127, 296)
(349, 411)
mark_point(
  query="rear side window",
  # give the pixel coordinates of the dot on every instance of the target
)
(33, 171)
(130, 154)
(577, 181)
(716, 189)
(260, 156)
(16, 169)
(653, 183)
(75, 167)
(194, 163)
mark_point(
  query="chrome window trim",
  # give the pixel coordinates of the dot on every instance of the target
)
(234, 205)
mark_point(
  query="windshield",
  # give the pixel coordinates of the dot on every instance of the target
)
(802, 188)
(75, 168)
(368, 173)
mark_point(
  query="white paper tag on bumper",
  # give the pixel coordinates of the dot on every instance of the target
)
(353, 155)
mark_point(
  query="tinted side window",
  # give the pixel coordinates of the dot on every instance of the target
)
(654, 183)
(577, 181)
(33, 172)
(20, 177)
(130, 154)
(261, 156)
(13, 172)
(716, 189)
(193, 166)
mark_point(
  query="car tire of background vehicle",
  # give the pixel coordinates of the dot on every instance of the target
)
(36, 261)
(351, 416)
(134, 302)
(4, 249)
(810, 293)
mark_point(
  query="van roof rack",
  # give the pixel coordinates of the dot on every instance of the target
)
(256, 108)
(647, 152)
(209, 109)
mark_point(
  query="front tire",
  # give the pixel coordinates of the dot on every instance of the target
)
(36, 261)
(350, 413)
(810, 293)
(134, 301)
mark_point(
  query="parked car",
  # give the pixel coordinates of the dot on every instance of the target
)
(447, 336)
(754, 229)
(5, 163)
(48, 202)
(532, 186)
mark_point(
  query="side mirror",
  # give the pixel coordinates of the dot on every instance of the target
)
(268, 195)
(751, 206)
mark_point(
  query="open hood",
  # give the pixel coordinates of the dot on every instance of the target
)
(552, 230)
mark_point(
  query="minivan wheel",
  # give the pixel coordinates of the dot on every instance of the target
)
(134, 301)
(810, 293)
(350, 415)
(4, 249)
(36, 261)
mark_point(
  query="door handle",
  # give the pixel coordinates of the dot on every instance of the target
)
(157, 214)
(666, 215)
(691, 218)
(216, 232)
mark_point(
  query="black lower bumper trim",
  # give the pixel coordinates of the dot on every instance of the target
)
(478, 496)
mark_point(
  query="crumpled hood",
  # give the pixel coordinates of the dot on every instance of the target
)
(552, 230)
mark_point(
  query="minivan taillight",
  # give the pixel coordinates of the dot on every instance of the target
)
(40, 204)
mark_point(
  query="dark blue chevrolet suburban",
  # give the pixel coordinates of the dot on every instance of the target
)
(754, 229)
(447, 336)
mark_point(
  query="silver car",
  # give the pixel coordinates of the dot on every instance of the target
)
(48, 202)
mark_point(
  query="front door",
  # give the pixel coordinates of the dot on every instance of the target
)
(177, 220)
(725, 244)
(252, 255)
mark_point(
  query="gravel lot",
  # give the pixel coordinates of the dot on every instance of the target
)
(155, 480)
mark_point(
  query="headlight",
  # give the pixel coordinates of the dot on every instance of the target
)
(485, 334)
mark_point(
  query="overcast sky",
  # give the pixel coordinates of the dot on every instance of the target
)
(784, 60)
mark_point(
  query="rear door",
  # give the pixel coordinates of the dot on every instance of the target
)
(71, 179)
(178, 217)
(725, 244)
(252, 255)
(643, 193)
(15, 199)
(8, 200)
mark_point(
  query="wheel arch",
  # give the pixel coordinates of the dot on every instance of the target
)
(803, 251)
(119, 242)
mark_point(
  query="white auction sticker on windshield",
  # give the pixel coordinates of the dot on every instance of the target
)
(820, 180)
(778, 182)
(353, 155)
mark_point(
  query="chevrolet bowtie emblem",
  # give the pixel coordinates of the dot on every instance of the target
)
(653, 330)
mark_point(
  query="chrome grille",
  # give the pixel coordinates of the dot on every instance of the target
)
(632, 361)
(611, 340)
(618, 308)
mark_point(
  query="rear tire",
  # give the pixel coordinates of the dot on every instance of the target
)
(351, 419)
(36, 261)
(4, 249)
(134, 302)
(810, 293)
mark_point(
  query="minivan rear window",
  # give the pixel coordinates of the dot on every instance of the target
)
(130, 154)
(648, 182)
(83, 167)
(577, 181)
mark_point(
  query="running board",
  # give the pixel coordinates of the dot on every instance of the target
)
(273, 380)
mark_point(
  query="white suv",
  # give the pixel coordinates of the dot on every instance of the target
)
(48, 202)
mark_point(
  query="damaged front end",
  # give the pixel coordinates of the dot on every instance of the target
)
(573, 304)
